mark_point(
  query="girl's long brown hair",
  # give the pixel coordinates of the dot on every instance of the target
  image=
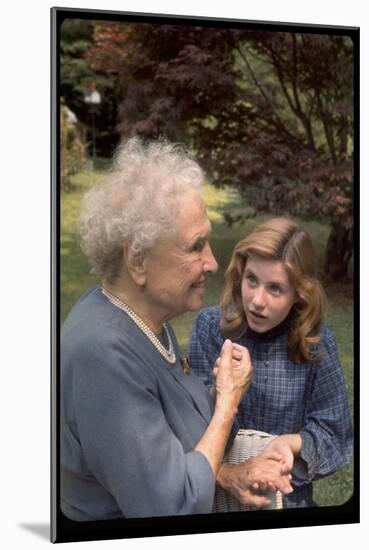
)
(283, 240)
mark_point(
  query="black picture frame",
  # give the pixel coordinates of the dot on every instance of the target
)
(65, 530)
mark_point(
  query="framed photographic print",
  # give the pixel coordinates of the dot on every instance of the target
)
(205, 197)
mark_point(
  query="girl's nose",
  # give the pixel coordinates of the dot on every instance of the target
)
(258, 299)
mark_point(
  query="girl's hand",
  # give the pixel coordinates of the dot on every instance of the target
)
(287, 445)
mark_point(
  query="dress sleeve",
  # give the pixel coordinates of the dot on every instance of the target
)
(327, 432)
(127, 440)
(205, 344)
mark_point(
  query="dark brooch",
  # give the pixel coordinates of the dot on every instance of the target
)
(185, 365)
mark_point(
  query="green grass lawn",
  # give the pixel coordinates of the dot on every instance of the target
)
(76, 278)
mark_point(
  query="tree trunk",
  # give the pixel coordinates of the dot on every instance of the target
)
(338, 252)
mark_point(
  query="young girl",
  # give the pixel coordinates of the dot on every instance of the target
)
(273, 304)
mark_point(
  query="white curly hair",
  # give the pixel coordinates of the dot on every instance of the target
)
(139, 202)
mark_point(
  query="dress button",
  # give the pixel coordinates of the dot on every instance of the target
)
(265, 378)
(267, 363)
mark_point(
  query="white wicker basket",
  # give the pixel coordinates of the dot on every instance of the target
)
(247, 443)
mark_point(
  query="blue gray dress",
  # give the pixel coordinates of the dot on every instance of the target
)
(285, 397)
(129, 422)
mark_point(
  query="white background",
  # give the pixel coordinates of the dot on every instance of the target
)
(25, 280)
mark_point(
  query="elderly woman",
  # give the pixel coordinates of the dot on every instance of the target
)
(140, 435)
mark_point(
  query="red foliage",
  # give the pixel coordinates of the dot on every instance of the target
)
(269, 112)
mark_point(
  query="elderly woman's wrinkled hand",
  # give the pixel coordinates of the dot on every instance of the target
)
(232, 372)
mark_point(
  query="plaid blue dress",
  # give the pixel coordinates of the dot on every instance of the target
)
(285, 397)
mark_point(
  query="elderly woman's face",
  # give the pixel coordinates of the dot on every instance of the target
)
(176, 269)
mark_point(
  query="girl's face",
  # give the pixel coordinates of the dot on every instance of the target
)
(267, 294)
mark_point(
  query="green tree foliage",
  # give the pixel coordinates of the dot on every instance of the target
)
(77, 71)
(269, 112)
(72, 148)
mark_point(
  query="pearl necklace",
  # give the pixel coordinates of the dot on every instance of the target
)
(169, 355)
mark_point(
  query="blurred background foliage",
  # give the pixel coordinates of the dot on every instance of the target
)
(269, 115)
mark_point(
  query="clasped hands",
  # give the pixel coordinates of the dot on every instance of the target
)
(269, 471)
(250, 480)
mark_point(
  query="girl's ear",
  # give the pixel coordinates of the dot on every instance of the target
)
(135, 264)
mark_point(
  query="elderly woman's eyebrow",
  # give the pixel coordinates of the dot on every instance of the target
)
(195, 243)
(200, 240)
